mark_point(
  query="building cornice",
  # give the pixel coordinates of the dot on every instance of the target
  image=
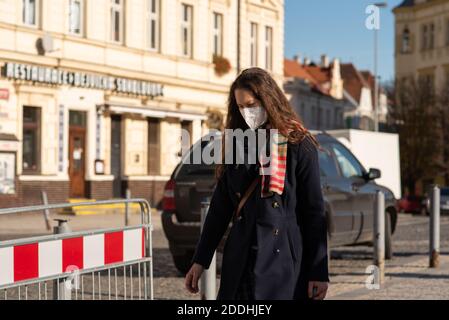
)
(418, 7)
(13, 56)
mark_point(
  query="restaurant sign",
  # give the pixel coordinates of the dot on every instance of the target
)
(55, 76)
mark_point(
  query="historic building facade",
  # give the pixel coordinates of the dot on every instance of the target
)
(422, 52)
(94, 93)
(422, 40)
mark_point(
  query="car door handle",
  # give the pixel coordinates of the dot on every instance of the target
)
(355, 188)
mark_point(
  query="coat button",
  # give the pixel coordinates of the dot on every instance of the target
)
(238, 194)
(278, 250)
(276, 232)
(275, 205)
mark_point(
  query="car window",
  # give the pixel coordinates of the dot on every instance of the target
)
(348, 164)
(328, 167)
(189, 168)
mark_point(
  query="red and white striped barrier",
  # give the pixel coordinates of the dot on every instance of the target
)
(56, 257)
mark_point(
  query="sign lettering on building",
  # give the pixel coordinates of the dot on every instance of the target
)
(56, 76)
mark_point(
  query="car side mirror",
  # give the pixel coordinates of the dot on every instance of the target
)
(373, 174)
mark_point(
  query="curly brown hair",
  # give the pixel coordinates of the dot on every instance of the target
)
(281, 115)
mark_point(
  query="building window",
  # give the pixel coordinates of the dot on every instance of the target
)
(188, 127)
(313, 118)
(75, 16)
(447, 32)
(424, 37)
(268, 48)
(31, 140)
(253, 44)
(318, 118)
(218, 34)
(405, 41)
(153, 22)
(431, 36)
(117, 20)
(187, 30)
(428, 36)
(154, 146)
(302, 111)
(427, 81)
(30, 12)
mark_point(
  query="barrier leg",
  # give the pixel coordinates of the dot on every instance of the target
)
(128, 196)
(62, 290)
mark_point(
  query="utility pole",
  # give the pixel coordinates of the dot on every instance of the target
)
(239, 4)
(376, 78)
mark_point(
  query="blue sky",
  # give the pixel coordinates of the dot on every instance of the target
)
(337, 28)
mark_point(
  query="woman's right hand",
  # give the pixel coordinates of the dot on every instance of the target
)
(193, 277)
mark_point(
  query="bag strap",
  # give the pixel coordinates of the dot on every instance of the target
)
(246, 197)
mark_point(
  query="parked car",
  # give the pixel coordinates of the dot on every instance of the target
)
(348, 190)
(411, 204)
(444, 202)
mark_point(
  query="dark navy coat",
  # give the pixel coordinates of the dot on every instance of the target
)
(291, 231)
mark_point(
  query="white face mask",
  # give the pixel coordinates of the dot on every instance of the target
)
(254, 117)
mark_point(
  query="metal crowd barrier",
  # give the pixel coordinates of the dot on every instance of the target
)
(97, 264)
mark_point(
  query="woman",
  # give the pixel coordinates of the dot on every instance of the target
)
(277, 248)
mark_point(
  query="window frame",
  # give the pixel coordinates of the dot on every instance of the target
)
(269, 34)
(431, 40)
(187, 25)
(154, 168)
(406, 36)
(36, 126)
(254, 44)
(120, 8)
(37, 13)
(424, 37)
(151, 16)
(447, 32)
(81, 18)
(217, 33)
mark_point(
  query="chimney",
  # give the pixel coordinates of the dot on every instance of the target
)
(297, 58)
(306, 61)
(324, 61)
(336, 81)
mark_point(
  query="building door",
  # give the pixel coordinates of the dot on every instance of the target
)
(77, 154)
(116, 155)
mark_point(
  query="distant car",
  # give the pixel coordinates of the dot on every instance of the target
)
(348, 191)
(444, 202)
(411, 204)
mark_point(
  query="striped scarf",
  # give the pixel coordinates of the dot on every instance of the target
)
(273, 172)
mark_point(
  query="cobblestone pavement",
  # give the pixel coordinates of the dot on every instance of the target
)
(407, 274)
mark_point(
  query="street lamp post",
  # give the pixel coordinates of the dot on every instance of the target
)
(376, 83)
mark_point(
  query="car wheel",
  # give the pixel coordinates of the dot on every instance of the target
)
(183, 262)
(388, 237)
